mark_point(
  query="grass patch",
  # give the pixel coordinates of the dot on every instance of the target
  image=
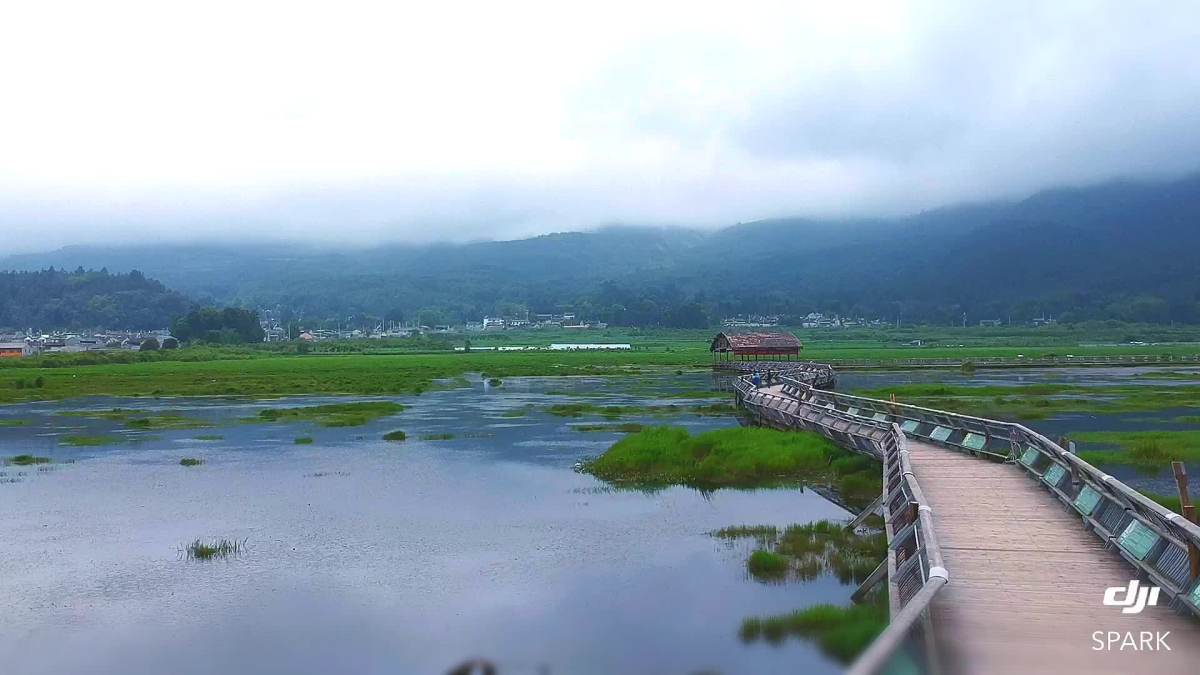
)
(303, 440)
(86, 440)
(209, 437)
(190, 461)
(1187, 419)
(437, 437)
(494, 382)
(396, 436)
(218, 548)
(13, 423)
(807, 551)
(517, 412)
(1039, 401)
(614, 412)
(333, 415)
(841, 632)
(738, 457)
(1144, 449)
(767, 565)
(28, 460)
(622, 427)
(135, 419)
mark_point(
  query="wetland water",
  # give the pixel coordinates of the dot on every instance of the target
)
(369, 556)
(377, 557)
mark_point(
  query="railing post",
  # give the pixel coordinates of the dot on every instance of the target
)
(1188, 510)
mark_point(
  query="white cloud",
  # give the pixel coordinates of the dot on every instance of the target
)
(357, 122)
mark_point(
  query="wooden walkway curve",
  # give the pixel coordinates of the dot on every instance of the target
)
(1027, 580)
(1012, 573)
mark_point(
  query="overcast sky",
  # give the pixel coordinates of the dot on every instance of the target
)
(363, 122)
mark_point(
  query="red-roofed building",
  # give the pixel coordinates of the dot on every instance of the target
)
(758, 346)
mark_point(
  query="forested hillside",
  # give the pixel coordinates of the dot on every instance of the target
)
(56, 299)
(1127, 251)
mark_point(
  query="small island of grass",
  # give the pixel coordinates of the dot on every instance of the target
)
(738, 457)
(190, 461)
(28, 460)
(395, 436)
(334, 414)
(303, 440)
(80, 440)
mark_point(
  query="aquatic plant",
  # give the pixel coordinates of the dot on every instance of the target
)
(765, 565)
(396, 435)
(303, 440)
(841, 632)
(28, 460)
(88, 440)
(759, 532)
(13, 423)
(190, 461)
(437, 437)
(209, 437)
(623, 427)
(217, 548)
(333, 415)
(1150, 450)
(135, 419)
(494, 382)
(743, 456)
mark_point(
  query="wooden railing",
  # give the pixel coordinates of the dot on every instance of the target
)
(1152, 538)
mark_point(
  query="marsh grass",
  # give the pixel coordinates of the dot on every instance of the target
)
(1147, 450)
(494, 382)
(13, 423)
(217, 548)
(332, 415)
(302, 440)
(841, 632)
(190, 461)
(82, 440)
(1039, 401)
(209, 437)
(135, 419)
(437, 437)
(395, 436)
(807, 551)
(614, 412)
(27, 460)
(766, 565)
(736, 457)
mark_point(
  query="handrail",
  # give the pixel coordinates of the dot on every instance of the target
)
(1152, 538)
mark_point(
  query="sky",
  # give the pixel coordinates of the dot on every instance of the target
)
(353, 123)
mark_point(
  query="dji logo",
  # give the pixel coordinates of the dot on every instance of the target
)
(1134, 600)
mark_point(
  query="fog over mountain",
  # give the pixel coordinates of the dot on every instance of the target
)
(132, 122)
(1119, 250)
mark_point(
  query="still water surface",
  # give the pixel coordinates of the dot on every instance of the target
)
(377, 557)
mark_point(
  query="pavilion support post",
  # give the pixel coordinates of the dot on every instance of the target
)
(1188, 510)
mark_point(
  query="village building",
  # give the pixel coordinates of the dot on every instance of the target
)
(757, 346)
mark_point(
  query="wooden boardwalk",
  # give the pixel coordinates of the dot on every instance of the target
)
(1027, 580)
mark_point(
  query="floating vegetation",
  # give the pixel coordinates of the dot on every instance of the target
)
(303, 440)
(494, 382)
(623, 427)
(517, 412)
(1187, 419)
(13, 423)
(190, 461)
(437, 437)
(217, 548)
(1148, 450)
(738, 457)
(396, 435)
(86, 440)
(841, 632)
(135, 419)
(28, 460)
(332, 415)
(209, 437)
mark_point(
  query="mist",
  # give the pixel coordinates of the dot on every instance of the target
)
(135, 122)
